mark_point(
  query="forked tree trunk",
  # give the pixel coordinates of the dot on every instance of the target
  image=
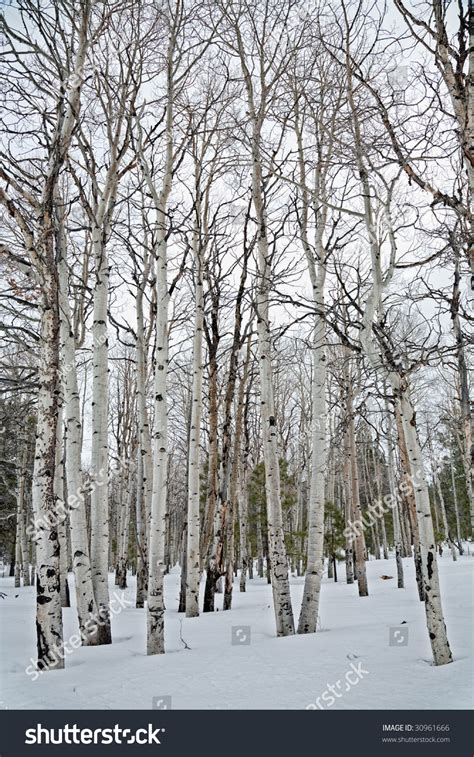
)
(85, 601)
(315, 261)
(376, 349)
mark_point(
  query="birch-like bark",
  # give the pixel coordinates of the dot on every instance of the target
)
(314, 569)
(243, 484)
(466, 415)
(315, 262)
(41, 253)
(376, 352)
(394, 498)
(378, 485)
(276, 544)
(213, 453)
(155, 604)
(444, 519)
(85, 601)
(18, 555)
(243, 526)
(236, 483)
(100, 447)
(144, 458)
(21, 519)
(407, 480)
(353, 473)
(60, 508)
(349, 550)
(126, 507)
(456, 507)
(49, 627)
(433, 607)
(192, 557)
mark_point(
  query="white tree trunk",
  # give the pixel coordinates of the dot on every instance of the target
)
(276, 544)
(60, 506)
(155, 606)
(49, 626)
(193, 560)
(397, 536)
(433, 608)
(99, 457)
(21, 519)
(127, 491)
(310, 603)
(144, 459)
(456, 508)
(85, 600)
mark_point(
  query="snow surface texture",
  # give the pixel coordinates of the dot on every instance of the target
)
(268, 673)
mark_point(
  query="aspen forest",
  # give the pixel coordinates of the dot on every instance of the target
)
(236, 259)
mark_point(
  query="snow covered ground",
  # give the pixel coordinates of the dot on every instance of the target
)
(267, 673)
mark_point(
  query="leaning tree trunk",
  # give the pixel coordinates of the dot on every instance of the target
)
(433, 607)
